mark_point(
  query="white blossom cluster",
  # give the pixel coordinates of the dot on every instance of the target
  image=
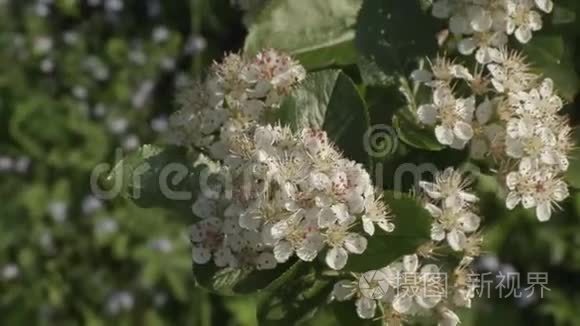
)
(238, 93)
(278, 193)
(291, 194)
(508, 115)
(415, 285)
(450, 203)
(482, 25)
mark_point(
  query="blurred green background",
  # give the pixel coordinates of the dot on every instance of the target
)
(80, 79)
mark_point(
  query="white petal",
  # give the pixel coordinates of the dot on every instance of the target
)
(402, 303)
(528, 201)
(437, 232)
(545, 5)
(196, 233)
(431, 189)
(483, 56)
(427, 114)
(428, 301)
(544, 211)
(547, 88)
(461, 72)
(458, 24)
(355, 243)
(365, 308)
(222, 257)
(523, 34)
(444, 135)
(310, 248)
(421, 75)
(204, 207)
(441, 9)
(467, 46)
(469, 222)
(265, 261)
(456, 240)
(336, 258)
(560, 191)
(280, 230)
(386, 226)
(368, 226)
(535, 21)
(463, 130)
(411, 263)
(433, 210)
(484, 112)
(356, 203)
(283, 251)
(326, 218)
(482, 21)
(201, 255)
(250, 221)
(478, 149)
(449, 318)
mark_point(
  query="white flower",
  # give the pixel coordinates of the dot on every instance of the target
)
(208, 241)
(376, 213)
(453, 223)
(539, 103)
(485, 133)
(522, 20)
(510, 71)
(341, 243)
(454, 116)
(535, 188)
(450, 188)
(414, 286)
(483, 44)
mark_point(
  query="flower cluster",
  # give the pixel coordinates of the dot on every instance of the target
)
(450, 203)
(277, 193)
(415, 285)
(482, 25)
(508, 114)
(238, 92)
(291, 194)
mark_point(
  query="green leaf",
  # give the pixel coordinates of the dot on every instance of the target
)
(413, 134)
(412, 229)
(392, 33)
(345, 315)
(317, 32)
(573, 174)
(551, 57)
(295, 300)
(240, 281)
(157, 177)
(330, 100)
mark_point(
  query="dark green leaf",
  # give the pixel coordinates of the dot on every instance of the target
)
(345, 314)
(157, 177)
(392, 33)
(317, 32)
(330, 100)
(413, 134)
(412, 225)
(240, 281)
(295, 300)
(551, 57)
(573, 173)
